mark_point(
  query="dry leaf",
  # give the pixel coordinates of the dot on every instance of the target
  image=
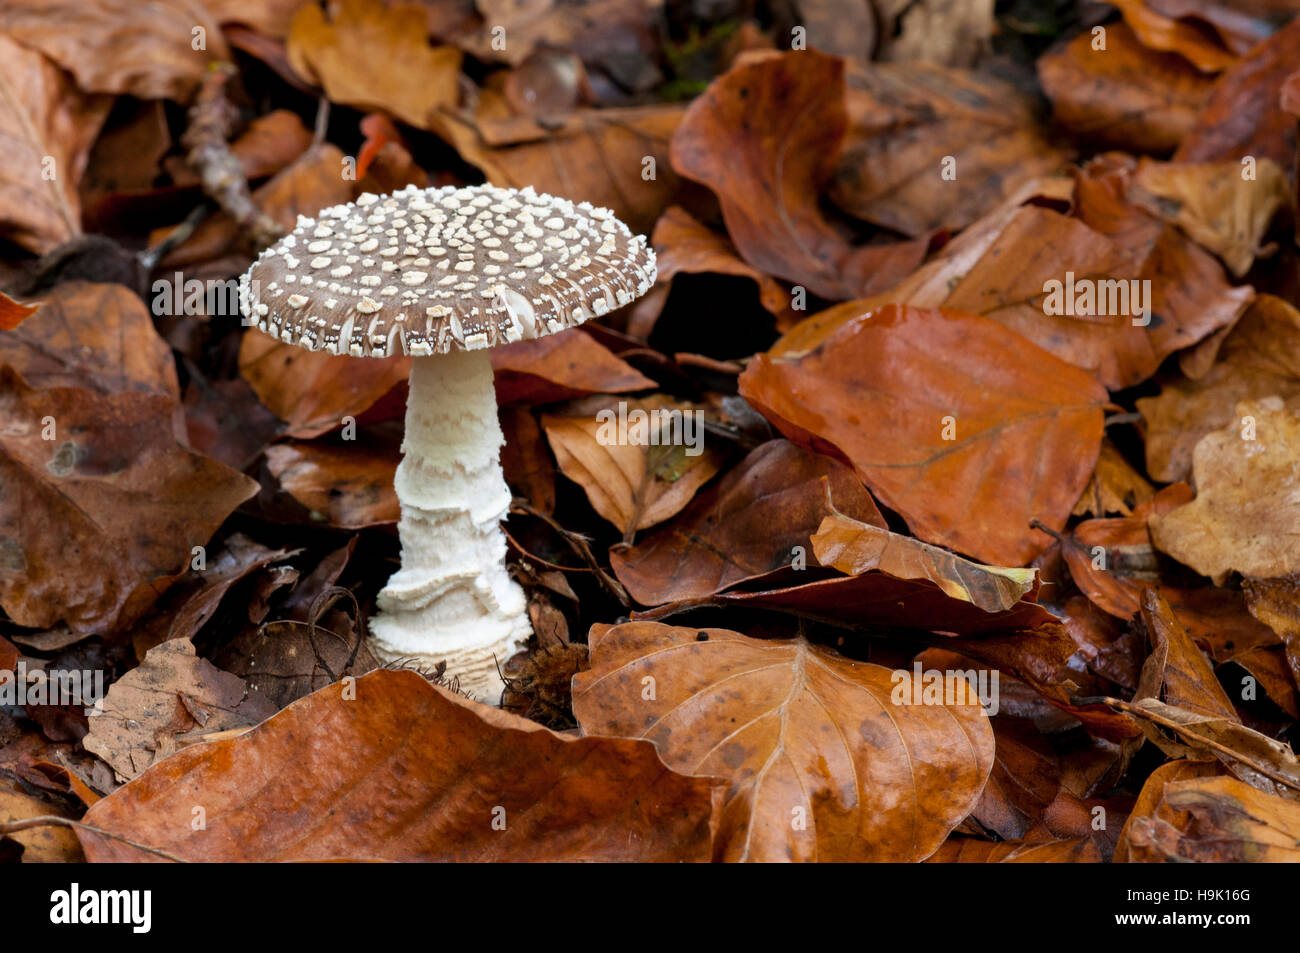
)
(1247, 504)
(884, 389)
(347, 484)
(823, 763)
(400, 770)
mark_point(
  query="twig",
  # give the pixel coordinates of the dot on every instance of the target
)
(51, 820)
(212, 119)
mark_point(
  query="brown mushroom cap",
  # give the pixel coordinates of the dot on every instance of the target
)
(427, 271)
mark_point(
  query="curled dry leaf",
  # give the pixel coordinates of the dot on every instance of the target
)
(560, 367)
(1126, 95)
(630, 481)
(1170, 35)
(755, 521)
(1259, 357)
(313, 391)
(130, 502)
(405, 771)
(171, 694)
(969, 850)
(1115, 487)
(1247, 504)
(906, 121)
(372, 56)
(853, 548)
(48, 127)
(783, 119)
(1214, 820)
(13, 313)
(800, 733)
(685, 245)
(1176, 671)
(119, 46)
(1215, 203)
(1026, 427)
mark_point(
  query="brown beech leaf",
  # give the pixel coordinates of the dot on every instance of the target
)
(48, 127)
(398, 769)
(193, 599)
(685, 245)
(854, 548)
(313, 391)
(1149, 800)
(880, 392)
(1114, 487)
(754, 521)
(906, 120)
(634, 485)
(592, 155)
(372, 57)
(800, 732)
(1247, 504)
(1213, 820)
(1176, 671)
(1171, 35)
(560, 367)
(1215, 203)
(13, 313)
(970, 850)
(1126, 95)
(1026, 778)
(348, 484)
(782, 118)
(120, 46)
(1259, 357)
(170, 694)
(1243, 114)
(99, 336)
(128, 500)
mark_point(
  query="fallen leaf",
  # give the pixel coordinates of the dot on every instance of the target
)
(1025, 779)
(1170, 35)
(928, 148)
(348, 484)
(1149, 800)
(41, 845)
(13, 313)
(313, 391)
(99, 336)
(753, 522)
(129, 502)
(783, 134)
(1124, 95)
(1259, 357)
(969, 850)
(48, 127)
(1248, 498)
(1215, 203)
(560, 367)
(1176, 671)
(171, 693)
(119, 46)
(1215, 820)
(405, 771)
(1114, 487)
(942, 32)
(880, 392)
(633, 485)
(802, 734)
(372, 57)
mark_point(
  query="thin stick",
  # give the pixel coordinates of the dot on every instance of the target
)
(51, 820)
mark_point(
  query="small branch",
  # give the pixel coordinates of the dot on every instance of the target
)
(51, 820)
(212, 120)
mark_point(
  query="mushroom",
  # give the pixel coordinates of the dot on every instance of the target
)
(443, 275)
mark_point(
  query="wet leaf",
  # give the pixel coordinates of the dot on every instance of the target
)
(347, 484)
(560, 367)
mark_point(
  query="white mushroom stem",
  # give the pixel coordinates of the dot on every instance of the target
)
(452, 599)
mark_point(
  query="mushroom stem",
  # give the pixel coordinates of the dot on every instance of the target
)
(452, 599)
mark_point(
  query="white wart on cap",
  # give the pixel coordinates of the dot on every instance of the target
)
(428, 271)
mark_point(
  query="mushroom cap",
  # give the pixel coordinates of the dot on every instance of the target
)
(427, 271)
